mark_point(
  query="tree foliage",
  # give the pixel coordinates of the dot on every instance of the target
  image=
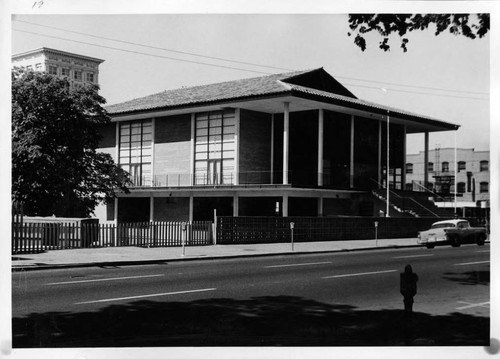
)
(56, 168)
(468, 25)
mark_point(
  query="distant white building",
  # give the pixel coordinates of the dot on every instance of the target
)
(472, 175)
(79, 69)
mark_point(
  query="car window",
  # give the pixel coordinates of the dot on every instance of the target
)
(463, 224)
(442, 225)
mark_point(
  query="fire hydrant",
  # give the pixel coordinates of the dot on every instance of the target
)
(408, 287)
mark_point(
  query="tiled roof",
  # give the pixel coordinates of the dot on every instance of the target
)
(317, 84)
(223, 91)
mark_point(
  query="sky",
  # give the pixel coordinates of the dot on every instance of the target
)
(446, 77)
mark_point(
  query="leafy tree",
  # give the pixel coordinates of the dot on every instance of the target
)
(470, 26)
(56, 169)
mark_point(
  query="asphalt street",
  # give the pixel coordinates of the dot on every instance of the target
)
(311, 299)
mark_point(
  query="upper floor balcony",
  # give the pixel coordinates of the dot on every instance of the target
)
(340, 179)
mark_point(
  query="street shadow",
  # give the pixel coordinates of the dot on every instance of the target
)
(469, 278)
(259, 321)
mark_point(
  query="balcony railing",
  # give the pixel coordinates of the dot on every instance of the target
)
(205, 179)
(338, 179)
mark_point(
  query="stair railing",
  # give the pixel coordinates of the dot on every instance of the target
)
(404, 198)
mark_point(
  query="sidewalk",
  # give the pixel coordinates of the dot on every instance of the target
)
(72, 258)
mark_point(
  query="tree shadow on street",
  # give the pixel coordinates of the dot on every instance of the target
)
(259, 321)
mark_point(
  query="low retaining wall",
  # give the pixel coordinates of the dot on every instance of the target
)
(240, 230)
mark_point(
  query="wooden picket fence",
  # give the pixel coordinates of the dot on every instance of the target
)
(38, 237)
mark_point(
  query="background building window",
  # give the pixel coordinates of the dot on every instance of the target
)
(78, 75)
(483, 187)
(409, 168)
(90, 77)
(136, 150)
(52, 70)
(461, 187)
(65, 71)
(445, 167)
(430, 166)
(483, 166)
(461, 166)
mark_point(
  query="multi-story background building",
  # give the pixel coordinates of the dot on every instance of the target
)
(79, 69)
(472, 182)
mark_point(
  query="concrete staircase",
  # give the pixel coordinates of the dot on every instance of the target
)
(415, 203)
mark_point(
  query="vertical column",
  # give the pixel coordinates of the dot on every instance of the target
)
(117, 145)
(403, 171)
(320, 206)
(320, 146)
(153, 125)
(272, 148)
(192, 145)
(284, 208)
(191, 206)
(115, 214)
(237, 115)
(351, 165)
(151, 208)
(236, 205)
(286, 149)
(387, 170)
(379, 178)
(455, 175)
(426, 159)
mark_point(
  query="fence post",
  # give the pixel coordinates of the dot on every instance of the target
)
(292, 224)
(376, 237)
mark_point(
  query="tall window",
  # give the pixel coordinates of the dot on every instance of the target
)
(409, 168)
(445, 167)
(461, 166)
(65, 71)
(461, 187)
(483, 187)
(483, 166)
(215, 147)
(52, 70)
(136, 150)
(430, 166)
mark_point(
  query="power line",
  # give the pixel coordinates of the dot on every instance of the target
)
(155, 47)
(420, 87)
(236, 68)
(143, 53)
(247, 63)
(422, 93)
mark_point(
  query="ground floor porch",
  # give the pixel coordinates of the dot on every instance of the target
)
(191, 204)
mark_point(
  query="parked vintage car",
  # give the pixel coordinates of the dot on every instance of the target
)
(453, 232)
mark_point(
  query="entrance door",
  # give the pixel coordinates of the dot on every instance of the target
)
(214, 172)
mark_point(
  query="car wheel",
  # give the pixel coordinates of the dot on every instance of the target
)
(430, 246)
(481, 239)
(455, 242)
